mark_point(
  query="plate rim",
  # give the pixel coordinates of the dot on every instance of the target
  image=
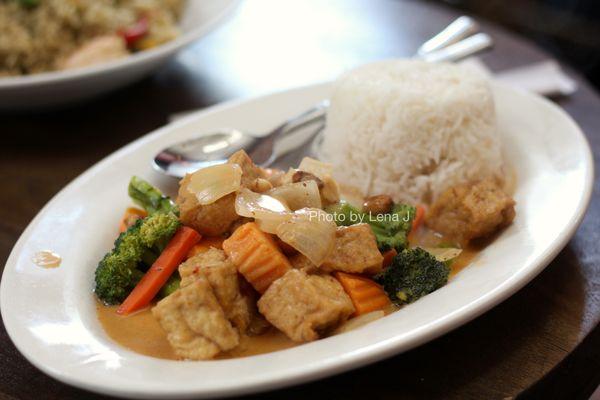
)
(384, 350)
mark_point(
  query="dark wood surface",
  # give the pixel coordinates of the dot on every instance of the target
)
(544, 342)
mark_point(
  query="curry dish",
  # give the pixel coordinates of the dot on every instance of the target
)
(249, 260)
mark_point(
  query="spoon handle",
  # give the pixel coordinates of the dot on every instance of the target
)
(262, 153)
(307, 117)
(462, 49)
(459, 29)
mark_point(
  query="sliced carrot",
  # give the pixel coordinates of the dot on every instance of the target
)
(158, 274)
(388, 256)
(204, 245)
(419, 218)
(256, 256)
(366, 295)
(131, 215)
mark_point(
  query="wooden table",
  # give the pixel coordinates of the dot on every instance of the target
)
(543, 342)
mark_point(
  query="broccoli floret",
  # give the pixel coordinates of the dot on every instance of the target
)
(413, 274)
(148, 258)
(345, 214)
(171, 286)
(119, 271)
(29, 3)
(391, 230)
(149, 197)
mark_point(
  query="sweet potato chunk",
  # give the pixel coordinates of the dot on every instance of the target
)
(256, 256)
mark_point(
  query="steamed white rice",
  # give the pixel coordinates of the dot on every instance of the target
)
(412, 129)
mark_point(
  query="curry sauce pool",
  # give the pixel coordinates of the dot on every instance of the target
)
(138, 332)
(141, 333)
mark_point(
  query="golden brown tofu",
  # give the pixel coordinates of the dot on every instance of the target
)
(210, 220)
(378, 204)
(467, 212)
(224, 280)
(195, 322)
(301, 262)
(355, 251)
(217, 218)
(252, 175)
(303, 306)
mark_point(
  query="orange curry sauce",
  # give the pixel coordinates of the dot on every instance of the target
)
(141, 333)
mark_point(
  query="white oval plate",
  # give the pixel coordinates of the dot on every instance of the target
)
(50, 315)
(61, 87)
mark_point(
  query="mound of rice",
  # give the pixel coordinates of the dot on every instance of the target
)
(412, 129)
(35, 38)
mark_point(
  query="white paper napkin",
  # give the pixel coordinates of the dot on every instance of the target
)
(545, 78)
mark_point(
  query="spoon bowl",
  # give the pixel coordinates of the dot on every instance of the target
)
(203, 151)
(216, 147)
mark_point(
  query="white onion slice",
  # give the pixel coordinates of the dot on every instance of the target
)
(211, 183)
(298, 195)
(443, 254)
(270, 225)
(316, 167)
(268, 211)
(310, 231)
(324, 171)
(330, 191)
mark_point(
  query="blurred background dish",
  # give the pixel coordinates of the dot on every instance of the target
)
(50, 35)
(85, 49)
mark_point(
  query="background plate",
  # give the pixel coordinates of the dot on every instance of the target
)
(55, 88)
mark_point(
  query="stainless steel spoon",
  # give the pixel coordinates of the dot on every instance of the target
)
(451, 44)
(216, 148)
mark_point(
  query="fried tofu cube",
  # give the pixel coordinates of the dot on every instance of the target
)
(304, 306)
(250, 171)
(355, 251)
(217, 218)
(209, 220)
(224, 280)
(195, 322)
(301, 262)
(471, 211)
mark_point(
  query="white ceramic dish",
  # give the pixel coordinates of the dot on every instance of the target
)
(50, 315)
(62, 87)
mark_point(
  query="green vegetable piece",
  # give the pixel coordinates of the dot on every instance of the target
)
(121, 269)
(391, 230)
(171, 286)
(149, 197)
(29, 3)
(413, 274)
(148, 258)
(345, 214)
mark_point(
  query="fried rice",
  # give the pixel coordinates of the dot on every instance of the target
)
(37, 35)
